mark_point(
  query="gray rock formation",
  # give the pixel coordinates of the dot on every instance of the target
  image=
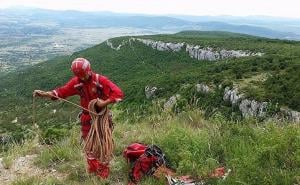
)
(248, 108)
(210, 54)
(291, 115)
(171, 102)
(202, 88)
(150, 92)
(196, 51)
(252, 108)
(232, 96)
(162, 46)
(5, 139)
(110, 44)
(202, 54)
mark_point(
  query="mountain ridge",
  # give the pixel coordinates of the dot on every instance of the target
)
(167, 22)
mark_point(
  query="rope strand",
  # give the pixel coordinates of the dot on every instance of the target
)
(62, 99)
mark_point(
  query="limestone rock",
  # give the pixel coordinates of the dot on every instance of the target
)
(150, 91)
(5, 139)
(252, 108)
(110, 44)
(171, 102)
(291, 115)
(232, 96)
(196, 51)
(248, 108)
(202, 88)
(162, 46)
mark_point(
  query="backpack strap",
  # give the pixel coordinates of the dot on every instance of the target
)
(79, 87)
(97, 80)
(98, 85)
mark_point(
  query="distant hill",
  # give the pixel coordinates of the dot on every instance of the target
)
(274, 23)
(170, 23)
(29, 35)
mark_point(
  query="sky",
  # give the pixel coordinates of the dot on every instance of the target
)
(276, 8)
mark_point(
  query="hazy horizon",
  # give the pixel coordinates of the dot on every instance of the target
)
(237, 8)
(148, 14)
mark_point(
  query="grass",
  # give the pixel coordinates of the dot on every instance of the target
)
(257, 153)
(36, 181)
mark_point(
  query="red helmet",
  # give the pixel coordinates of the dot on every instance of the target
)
(81, 67)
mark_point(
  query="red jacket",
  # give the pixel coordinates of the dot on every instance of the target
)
(97, 86)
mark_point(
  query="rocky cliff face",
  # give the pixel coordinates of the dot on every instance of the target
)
(162, 46)
(210, 54)
(110, 44)
(249, 107)
(196, 51)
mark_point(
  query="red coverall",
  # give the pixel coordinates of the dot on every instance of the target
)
(97, 86)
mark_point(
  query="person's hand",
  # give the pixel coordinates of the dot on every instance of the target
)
(39, 93)
(102, 103)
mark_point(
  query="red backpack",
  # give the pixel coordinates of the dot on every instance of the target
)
(144, 160)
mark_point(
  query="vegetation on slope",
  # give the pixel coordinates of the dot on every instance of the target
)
(136, 66)
(256, 153)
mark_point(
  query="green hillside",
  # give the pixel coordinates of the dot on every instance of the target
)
(137, 65)
(272, 77)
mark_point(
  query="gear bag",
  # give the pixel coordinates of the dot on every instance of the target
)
(144, 160)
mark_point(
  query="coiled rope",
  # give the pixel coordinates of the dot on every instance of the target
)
(99, 142)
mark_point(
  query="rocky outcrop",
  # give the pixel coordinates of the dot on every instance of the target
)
(291, 115)
(150, 92)
(196, 51)
(162, 46)
(110, 44)
(5, 139)
(232, 96)
(203, 88)
(252, 108)
(210, 54)
(171, 102)
(248, 108)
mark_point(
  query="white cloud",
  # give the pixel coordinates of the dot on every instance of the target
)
(282, 8)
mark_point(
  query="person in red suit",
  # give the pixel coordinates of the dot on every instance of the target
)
(89, 86)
